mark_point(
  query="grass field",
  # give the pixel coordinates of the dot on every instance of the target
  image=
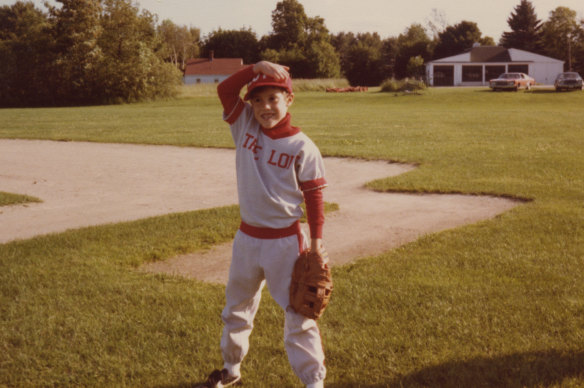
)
(495, 304)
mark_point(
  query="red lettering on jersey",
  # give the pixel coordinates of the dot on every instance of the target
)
(271, 157)
(251, 143)
(283, 161)
(249, 137)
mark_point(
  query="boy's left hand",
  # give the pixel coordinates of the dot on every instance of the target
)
(273, 70)
(316, 245)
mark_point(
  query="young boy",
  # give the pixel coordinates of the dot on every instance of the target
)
(278, 167)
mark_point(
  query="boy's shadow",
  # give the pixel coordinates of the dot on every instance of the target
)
(532, 369)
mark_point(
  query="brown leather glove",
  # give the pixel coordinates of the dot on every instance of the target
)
(312, 284)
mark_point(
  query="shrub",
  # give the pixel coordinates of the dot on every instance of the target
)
(318, 84)
(403, 85)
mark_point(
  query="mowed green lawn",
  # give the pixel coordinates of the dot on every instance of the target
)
(495, 304)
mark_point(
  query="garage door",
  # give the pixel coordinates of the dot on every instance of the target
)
(443, 76)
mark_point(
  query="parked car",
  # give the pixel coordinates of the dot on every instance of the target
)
(512, 81)
(568, 81)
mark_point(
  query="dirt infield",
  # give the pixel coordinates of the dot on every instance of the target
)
(83, 184)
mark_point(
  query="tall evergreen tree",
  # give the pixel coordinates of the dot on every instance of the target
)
(525, 31)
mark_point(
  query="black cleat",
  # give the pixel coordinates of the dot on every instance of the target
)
(219, 379)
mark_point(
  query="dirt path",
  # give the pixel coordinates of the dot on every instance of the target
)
(83, 184)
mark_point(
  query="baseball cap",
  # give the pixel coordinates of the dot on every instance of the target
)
(264, 80)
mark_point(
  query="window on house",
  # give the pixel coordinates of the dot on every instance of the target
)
(518, 69)
(492, 72)
(198, 80)
(216, 80)
(472, 74)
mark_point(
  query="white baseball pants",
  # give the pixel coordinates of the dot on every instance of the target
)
(255, 262)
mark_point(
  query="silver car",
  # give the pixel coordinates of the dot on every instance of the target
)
(512, 81)
(568, 81)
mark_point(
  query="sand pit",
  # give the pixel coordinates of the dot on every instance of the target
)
(84, 184)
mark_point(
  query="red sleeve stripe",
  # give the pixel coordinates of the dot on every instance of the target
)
(313, 185)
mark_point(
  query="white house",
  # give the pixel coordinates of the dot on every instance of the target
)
(478, 65)
(210, 70)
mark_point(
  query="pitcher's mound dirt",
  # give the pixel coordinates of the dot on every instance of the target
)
(84, 184)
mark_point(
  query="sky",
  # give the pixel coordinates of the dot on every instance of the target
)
(389, 18)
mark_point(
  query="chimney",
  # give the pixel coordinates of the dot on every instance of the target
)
(212, 55)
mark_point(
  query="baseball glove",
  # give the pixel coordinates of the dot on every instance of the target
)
(312, 284)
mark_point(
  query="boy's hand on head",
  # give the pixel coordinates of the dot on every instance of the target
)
(273, 70)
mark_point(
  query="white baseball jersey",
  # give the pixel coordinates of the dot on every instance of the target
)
(273, 168)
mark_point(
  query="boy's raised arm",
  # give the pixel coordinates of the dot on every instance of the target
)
(229, 89)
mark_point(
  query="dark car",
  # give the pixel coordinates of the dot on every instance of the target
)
(568, 81)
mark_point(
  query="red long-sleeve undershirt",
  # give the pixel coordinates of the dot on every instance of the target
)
(314, 212)
(228, 92)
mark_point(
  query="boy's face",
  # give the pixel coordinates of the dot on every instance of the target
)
(270, 105)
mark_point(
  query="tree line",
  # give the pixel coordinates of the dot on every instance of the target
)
(109, 51)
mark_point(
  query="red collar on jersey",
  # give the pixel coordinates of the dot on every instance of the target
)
(282, 129)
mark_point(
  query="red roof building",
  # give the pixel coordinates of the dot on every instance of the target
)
(210, 70)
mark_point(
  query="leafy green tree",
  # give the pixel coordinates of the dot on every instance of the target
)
(389, 53)
(83, 52)
(364, 66)
(487, 41)
(76, 30)
(293, 57)
(366, 59)
(416, 67)
(381, 52)
(342, 42)
(578, 50)
(412, 43)
(323, 60)
(179, 43)
(26, 54)
(560, 34)
(456, 39)
(131, 70)
(525, 31)
(322, 57)
(289, 24)
(300, 42)
(241, 43)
